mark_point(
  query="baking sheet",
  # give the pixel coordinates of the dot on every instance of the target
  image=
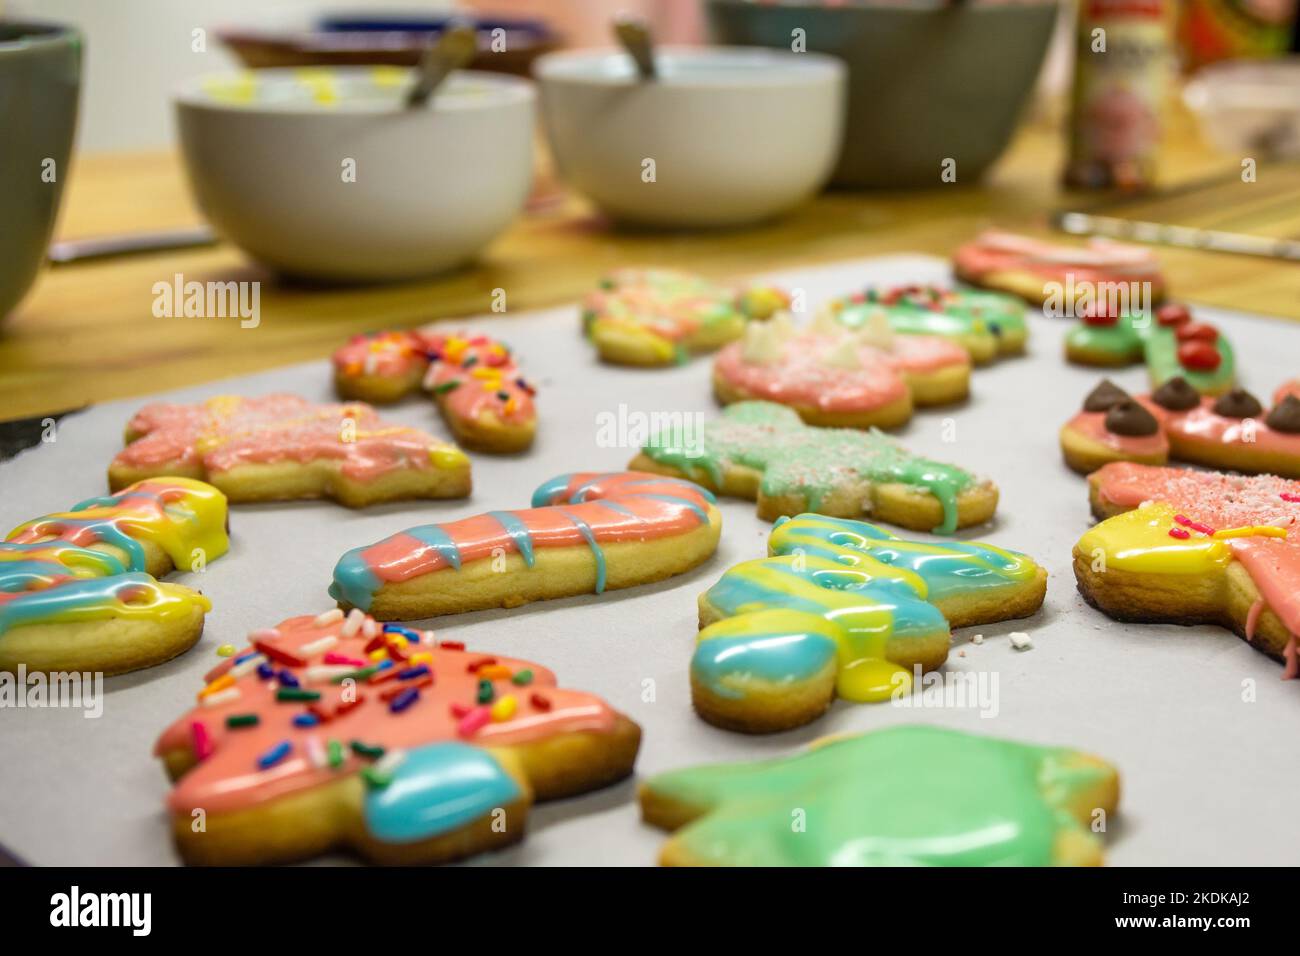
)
(1209, 775)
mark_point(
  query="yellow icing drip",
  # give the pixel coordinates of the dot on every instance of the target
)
(1139, 540)
(1251, 531)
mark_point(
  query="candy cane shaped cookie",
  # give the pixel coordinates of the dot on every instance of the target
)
(330, 732)
(585, 533)
(474, 380)
(654, 317)
(832, 375)
(1050, 273)
(78, 589)
(1190, 547)
(843, 608)
(280, 447)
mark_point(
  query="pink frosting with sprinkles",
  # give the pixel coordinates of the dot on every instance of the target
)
(228, 431)
(802, 376)
(1222, 501)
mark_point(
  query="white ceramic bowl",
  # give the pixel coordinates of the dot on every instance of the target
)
(269, 155)
(736, 135)
(1249, 107)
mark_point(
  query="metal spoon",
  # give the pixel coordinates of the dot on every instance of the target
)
(453, 50)
(634, 35)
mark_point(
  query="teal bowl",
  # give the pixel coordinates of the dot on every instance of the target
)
(927, 82)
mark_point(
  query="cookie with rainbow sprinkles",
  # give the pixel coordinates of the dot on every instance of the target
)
(843, 609)
(652, 317)
(79, 588)
(586, 533)
(763, 451)
(280, 447)
(474, 380)
(1190, 547)
(905, 796)
(336, 733)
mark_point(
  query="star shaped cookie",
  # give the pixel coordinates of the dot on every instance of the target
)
(905, 796)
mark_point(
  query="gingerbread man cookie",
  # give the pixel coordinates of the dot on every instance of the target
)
(332, 732)
(78, 589)
(1191, 547)
(662, 317)
(474, 380)
(1172, 345)
(586, 532)
(1039, 271)
(832, 375)
(1175, 421)
(986, 324)
(280, 447)
(763, 450)
(905, 796)
(843, 608)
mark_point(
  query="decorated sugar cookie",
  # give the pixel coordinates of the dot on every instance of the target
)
(843, 608)
(1191, 547)
(1171, 344)
(763, 450)
(832, 375)
(279, 447)
(985, 324)
(905, 796)
(585, 533)
(662, 317)
(474, 379)
(1175, 421)
(78, 589)
(1042, 272)
(332, 732)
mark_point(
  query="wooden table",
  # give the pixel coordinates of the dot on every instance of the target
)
(88, 334)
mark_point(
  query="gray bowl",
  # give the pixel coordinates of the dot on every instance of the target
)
(926, 83)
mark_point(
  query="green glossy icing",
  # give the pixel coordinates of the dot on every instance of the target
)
(1135, 338)
(903, 796)
(804, 459)
(931, 310)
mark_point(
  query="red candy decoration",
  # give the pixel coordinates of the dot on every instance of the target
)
(1197, 332)
(1173, 314)
(1199, 355)
(1099, 315)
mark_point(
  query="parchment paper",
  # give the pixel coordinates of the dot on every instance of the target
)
(1209, 776)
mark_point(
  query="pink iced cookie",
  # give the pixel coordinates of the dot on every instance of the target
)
(281, 446)
(836, 376)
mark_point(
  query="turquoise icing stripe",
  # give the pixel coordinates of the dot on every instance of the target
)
(685, 503)
(102, 531)
(596, 551)
(548, 491)
(580, 495)
(69, 556)
(620, 508)
(436, 537)
(354, 581)
(679, 482)
(68, 598)
(770, 657)
(518, 533)
(435, 789)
